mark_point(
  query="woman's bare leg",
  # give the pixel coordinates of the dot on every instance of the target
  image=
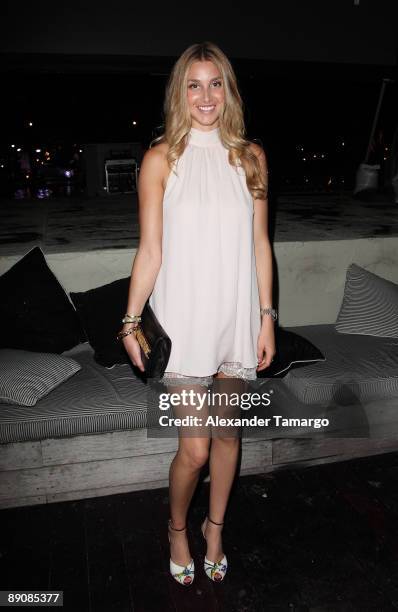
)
(192, 454)
(224, 453)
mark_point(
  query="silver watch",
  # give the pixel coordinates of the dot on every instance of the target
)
(270, 311)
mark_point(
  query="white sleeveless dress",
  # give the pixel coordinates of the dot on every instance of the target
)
(206, 292)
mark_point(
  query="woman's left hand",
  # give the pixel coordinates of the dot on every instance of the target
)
(266, 344)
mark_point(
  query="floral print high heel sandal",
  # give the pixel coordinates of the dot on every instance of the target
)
(182, 574)
(215, 570)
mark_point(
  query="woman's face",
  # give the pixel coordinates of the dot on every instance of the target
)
(205, 92)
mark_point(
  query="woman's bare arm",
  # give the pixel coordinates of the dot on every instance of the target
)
(148, 258)
(263, 254)
(262, 244)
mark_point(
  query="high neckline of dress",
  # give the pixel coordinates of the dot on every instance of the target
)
(203, 138)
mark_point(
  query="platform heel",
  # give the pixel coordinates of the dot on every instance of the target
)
(182, 574)
(215, 570)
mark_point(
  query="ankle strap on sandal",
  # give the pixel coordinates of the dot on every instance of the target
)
(170, 525)
(209, 519)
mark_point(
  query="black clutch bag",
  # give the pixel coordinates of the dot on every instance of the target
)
(155, 344)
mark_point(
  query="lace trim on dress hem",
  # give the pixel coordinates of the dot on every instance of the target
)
(229, 368)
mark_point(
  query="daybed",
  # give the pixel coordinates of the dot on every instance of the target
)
(88, 436)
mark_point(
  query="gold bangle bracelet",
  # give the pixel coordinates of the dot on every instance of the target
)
(131, 318)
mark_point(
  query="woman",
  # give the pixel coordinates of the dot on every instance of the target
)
(204, 261)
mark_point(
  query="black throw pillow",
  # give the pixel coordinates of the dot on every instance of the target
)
(292, 350)
(36, 313)
(101, 311)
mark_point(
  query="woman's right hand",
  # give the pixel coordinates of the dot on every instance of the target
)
(133, 349)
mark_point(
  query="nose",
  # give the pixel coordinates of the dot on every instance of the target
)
(206, 96)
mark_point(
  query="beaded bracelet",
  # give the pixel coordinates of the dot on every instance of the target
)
(126, 332)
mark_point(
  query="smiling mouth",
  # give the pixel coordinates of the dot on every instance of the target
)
(207, 108)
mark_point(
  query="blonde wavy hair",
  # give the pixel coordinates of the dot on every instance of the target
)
(177, 117)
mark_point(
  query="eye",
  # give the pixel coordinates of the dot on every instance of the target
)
(192, 85)
(217, 83)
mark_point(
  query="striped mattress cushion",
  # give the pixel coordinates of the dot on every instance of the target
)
(369, 306)
(357, 368)
(94, 400)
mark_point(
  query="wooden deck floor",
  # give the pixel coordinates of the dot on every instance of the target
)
(324, 538)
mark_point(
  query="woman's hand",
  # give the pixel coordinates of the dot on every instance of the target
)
(133, 349)
(266, 344)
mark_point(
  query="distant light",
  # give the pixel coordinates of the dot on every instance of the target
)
(37, 159)
(68, 173)
(13, 146)
(304, 159)
(134, 123)
(30, 124)
(27, 175)
(19, 150)
(342, 144)
(2, 166)
(314, 156)
(385, 158)
(80, 150)
(43, 193)
(38, 150)
(322, 156)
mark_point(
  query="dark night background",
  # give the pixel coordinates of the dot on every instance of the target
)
(310, 75)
